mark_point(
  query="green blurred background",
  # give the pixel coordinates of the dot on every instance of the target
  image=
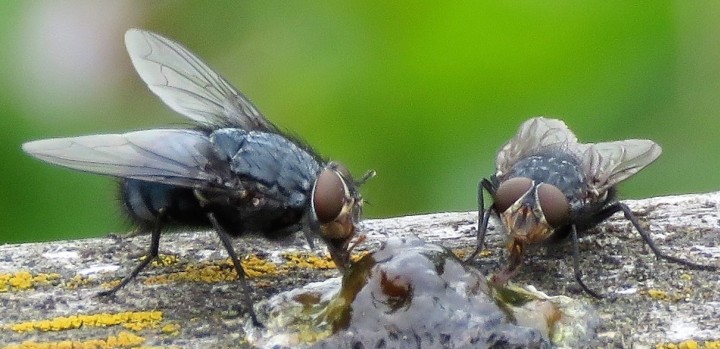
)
(423, 92)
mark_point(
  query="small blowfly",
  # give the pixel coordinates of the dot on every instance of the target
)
(548, 187)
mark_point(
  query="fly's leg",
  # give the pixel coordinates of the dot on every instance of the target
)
(482, 229)
(309, 238)
(129, 235)
(576, 263)
(483, 217)
(648, 240)
(151, 254)
(225, 239)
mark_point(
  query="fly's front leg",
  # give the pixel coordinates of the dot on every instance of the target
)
(483, 217)
(225, 239)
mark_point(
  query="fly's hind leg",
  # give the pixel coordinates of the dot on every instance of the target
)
(576, 263)
(619, 206)
(151, 254)
(131, 234)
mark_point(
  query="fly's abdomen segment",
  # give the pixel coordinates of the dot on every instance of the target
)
(143, 201)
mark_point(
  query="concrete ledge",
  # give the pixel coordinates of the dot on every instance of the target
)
(189, 298)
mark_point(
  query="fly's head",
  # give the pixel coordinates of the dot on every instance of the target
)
(336, 207)
(530, 211)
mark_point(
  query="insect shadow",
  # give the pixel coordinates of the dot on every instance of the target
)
(549, 187)
(235, 171)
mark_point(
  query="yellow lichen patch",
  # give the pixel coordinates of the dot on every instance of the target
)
(307, 261)
(110, 284)
(664, 296)
(24, 280)
(463, 253)
(256, 267)
(657, 294)
(170, 329)
(122, 340)
(165, 260)
(358, 256)
(714, 344)
(21, 280)
(133, 320)
(303, 260)
(690, 344)
(214, 272)
(195, 273)
(76, 281)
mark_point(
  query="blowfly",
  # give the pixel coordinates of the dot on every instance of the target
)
(548, 187)
(234, 172)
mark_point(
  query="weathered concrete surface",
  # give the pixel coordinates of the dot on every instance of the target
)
(47, 289)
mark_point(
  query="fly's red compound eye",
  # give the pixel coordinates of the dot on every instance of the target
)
(554, 205)
(510, 191)
(328, 196)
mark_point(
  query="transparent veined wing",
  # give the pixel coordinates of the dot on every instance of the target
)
(533, 136)
(172, 156)
(610, 163)
(188, 85)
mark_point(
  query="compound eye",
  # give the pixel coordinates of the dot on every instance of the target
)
(510, 191)
(328, 196)
(554, 205)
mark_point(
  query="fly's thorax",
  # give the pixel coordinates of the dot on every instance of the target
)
(269, 159)
(556, 167)
(530, 210)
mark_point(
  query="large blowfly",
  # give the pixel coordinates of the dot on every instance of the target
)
(548, 187)
(235, 171)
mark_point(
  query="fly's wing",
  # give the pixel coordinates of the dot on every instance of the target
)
(610, 163)
(533, 136)
(172, 156)
(188, 85)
